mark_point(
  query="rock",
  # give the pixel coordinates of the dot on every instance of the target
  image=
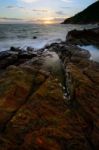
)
(34, 37)
(35, 115)
(12, 97)
(4, 54)
(14, 52)
(84, 93)
(82, 76)
(15, 49)
(26, 55)
(30, 49)
(15, 56)
(8, 61)
(84, 37)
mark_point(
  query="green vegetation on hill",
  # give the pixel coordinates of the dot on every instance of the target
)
(89, 15)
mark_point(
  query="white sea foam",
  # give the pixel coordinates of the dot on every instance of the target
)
(94, 51)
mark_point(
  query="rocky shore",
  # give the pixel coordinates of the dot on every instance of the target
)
(49, 99)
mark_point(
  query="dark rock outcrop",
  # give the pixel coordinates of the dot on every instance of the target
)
(87, 16)
(15, 56)
(84, 37)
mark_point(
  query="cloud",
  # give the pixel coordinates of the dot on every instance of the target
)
(65, 7)
(29, 1)
(24, 9)
(13, 20)
(59, 19)
(40, 10)
(6, 18)
(50, 20)
(67, 1)
(10, 7)
(41, 21)
(15, 7)
(60, 13)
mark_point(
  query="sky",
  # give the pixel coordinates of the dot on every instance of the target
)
(40, 11)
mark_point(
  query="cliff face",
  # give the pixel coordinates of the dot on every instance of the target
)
(89, 15)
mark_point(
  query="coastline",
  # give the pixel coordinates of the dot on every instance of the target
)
(37, 110)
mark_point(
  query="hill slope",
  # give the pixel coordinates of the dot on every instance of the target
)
(89, 15)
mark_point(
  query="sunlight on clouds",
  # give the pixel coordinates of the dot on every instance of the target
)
(48, 21)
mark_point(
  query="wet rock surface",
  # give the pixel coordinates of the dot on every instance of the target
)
(85, 37)
(49, 99)
(15, 56)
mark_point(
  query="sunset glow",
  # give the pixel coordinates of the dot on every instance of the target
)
(39, 11)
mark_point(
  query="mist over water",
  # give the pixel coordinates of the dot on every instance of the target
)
(21, 35)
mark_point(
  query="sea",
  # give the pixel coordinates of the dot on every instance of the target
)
(22, 35)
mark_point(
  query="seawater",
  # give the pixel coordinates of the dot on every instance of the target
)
(21, 35)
